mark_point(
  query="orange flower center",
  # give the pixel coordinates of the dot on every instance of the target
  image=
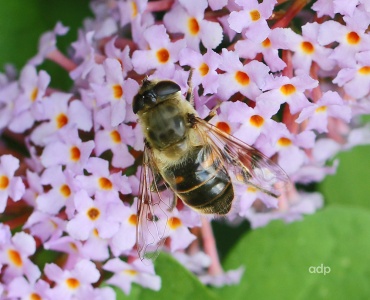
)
(134, 10)
(93, 213)
(174, 223)
(193, 26)
(34, 93)
(256, 120)
(75, 153)
(163, 55)
(115, 136)
(364, 70)
(224, 127)
(61, 120)
(117, 91)
(353, 38)
(266, 43)
(133, 219)
(203, 69)
(255, 15)
(321, 109)
(287, 89)
(307, 47)
(105, 183)
(284, 142)
(242, 78)
(15, 257)
(72, 283)
(65, 190)
(35, 296)
(4, 182)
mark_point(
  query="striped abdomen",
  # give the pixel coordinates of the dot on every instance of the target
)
(202, 182)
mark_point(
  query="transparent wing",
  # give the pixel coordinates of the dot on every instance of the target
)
(247, 164)
(156, 201)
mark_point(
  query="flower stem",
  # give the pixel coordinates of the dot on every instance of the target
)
(209, 244)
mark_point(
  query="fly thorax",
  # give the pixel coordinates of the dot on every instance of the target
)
(166, 126)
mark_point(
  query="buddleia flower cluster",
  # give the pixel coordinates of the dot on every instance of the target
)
(294, 92)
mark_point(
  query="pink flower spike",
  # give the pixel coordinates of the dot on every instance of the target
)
(308, 204)
(131, 10)
(330, 105)
(125, 239)
(33, 87)
(179, 232)
(187, 17)
(68, 151)
(61, 192)
(92, 214)
(27, 104)
(247, 79)
(123, 56)
(34, 188)
(269, 48)
(68, 245)
(252, 19)
(306, 48)
(116, 91)
(125, 274)
(20, 288)
(10, 185)
(351, 38)
(95, 248)
(47, 43)
(345, 7)
(61, 115)
(8, 94)
(231, 277)
(324, 7)
(204, 68)
(217, 4)
(102, 180)
(15, 254)
(45, 226)
(162, 54)
(356, 79)
(74, 282)
(288, 146)
(283, 89)
(83, 50)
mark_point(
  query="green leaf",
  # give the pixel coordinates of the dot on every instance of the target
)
(351, 184)
(22, 23)
(279, 258)
(177, 283)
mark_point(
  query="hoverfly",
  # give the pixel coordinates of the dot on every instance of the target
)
(189, 158)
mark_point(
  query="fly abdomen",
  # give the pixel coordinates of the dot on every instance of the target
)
(202, 182)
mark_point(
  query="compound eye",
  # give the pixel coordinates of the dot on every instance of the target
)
(138, 103)
(166, 87)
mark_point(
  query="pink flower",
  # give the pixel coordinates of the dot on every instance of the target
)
(283, 89)
(330, 105)
(247, 79)
(162, 54)
(252, 18)
(15, 253)
(22, 289)
(125, 274)
(61, 115)
(92, 214)
(187, 17)
(71, 284)
(10, 185)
